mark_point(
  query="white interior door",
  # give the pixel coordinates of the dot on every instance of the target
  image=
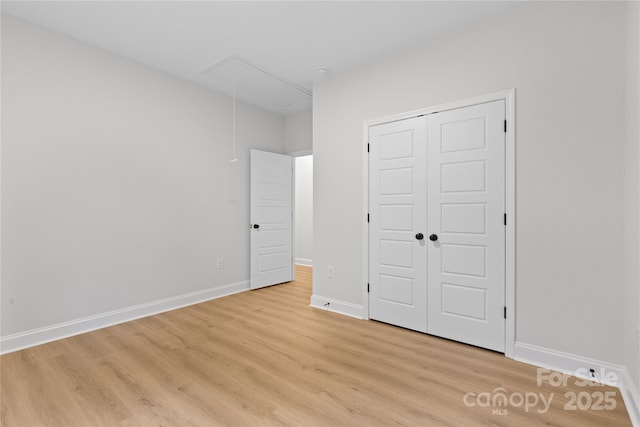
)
(271, 218)
(466, 206)
(398, 212)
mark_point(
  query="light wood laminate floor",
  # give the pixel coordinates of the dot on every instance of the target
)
(266, 358)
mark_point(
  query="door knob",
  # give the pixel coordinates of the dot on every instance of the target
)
(419, 236)
(256, 226)
(433, 237)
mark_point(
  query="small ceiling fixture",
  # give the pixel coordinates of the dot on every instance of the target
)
(322, 71)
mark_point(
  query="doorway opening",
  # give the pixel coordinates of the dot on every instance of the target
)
(281, 202)
(303, 210)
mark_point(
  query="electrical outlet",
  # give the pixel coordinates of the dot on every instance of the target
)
(220, 263)
(330, 272)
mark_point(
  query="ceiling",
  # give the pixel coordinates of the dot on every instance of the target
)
(286, 41)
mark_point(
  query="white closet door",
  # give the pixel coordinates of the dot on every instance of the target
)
(466, 205)
(397, 186)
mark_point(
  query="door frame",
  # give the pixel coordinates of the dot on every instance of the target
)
(509, 96)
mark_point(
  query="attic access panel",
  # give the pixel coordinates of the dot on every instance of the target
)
(257, 86)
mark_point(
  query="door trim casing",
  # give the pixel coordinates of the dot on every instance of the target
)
(509, 96)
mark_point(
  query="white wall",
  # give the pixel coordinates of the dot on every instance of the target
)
(632, 197)
(116, 184)
(304, 210)
(566, 60)
(298, 132)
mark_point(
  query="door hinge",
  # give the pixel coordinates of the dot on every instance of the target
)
(367, 217)
(367, 287)
(505, 219)
(505, 126)
(505, 311)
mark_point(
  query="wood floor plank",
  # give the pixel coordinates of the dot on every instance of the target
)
(266, 358)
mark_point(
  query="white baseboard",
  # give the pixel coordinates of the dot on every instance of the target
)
(575, 365)
(337, 306)
(631, 398)
(563, 362)
(33, 337)
(304, 261)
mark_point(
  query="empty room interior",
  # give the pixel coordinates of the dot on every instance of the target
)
(320, 213)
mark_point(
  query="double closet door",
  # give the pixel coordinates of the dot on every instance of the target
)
(437, 224)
